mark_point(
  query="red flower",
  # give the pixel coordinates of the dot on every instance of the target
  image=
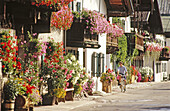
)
(13, 66)
(3, 66)
(16, 48)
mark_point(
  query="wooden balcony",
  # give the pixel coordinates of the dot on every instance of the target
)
(135, 41)
(165, 55)
(111, 44)
(79, 36)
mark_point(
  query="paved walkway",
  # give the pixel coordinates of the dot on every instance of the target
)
(70, 105)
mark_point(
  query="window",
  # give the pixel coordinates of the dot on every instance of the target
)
(158, 67)
(73, 51)
(163, 67)
(78, 6)
(97, 64)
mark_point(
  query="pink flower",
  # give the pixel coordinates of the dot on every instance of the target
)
(65, 72)
(25, 55)
(56, 76)
(54, 71)
(31, 62)
(71, 71)
(67, 84)
(65, 62)
(41, 79)
(70, 76)
(29, 80)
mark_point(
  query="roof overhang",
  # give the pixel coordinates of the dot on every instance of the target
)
(119, 8)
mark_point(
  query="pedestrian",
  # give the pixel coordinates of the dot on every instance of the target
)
(122, 71)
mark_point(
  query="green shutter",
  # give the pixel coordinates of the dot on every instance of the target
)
(94, 64)
(78, 6)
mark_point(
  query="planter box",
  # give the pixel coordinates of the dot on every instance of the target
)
(69, 94)
(49, 100)
(107, 87)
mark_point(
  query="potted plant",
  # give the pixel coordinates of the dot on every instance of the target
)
(107, 79)
(145, 73)
(88, 86)
(10, 93)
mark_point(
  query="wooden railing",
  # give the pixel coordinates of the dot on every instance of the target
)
(111, 44)
(139, 42)
(79, 36)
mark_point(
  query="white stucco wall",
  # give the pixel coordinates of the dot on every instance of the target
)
(127, 24)
(161, 38)
(56, 34)
(168, 63)
(167, 41)
(89, 52)
(94, 5)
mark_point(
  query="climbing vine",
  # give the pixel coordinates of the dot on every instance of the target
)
(122, 46)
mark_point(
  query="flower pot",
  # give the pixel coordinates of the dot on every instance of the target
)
(107, 86)
(144, 79)
(9, 105)
(22, 102)
(90, 93)
(49, 100)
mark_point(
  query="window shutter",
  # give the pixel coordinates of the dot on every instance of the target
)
(78, 6)
(94, 64)
(101, 64)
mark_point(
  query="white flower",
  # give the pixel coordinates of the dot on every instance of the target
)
(69, 61)
(73, 58)
(75, 80)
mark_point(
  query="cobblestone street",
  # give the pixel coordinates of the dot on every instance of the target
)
(139, 97)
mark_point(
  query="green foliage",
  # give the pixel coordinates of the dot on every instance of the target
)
(122, 46)
(10, 90)
(116, 20)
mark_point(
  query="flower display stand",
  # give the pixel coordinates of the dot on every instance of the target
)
(107, 86)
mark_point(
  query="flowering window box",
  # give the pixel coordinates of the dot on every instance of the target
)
(79, 36)
(135, 41)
